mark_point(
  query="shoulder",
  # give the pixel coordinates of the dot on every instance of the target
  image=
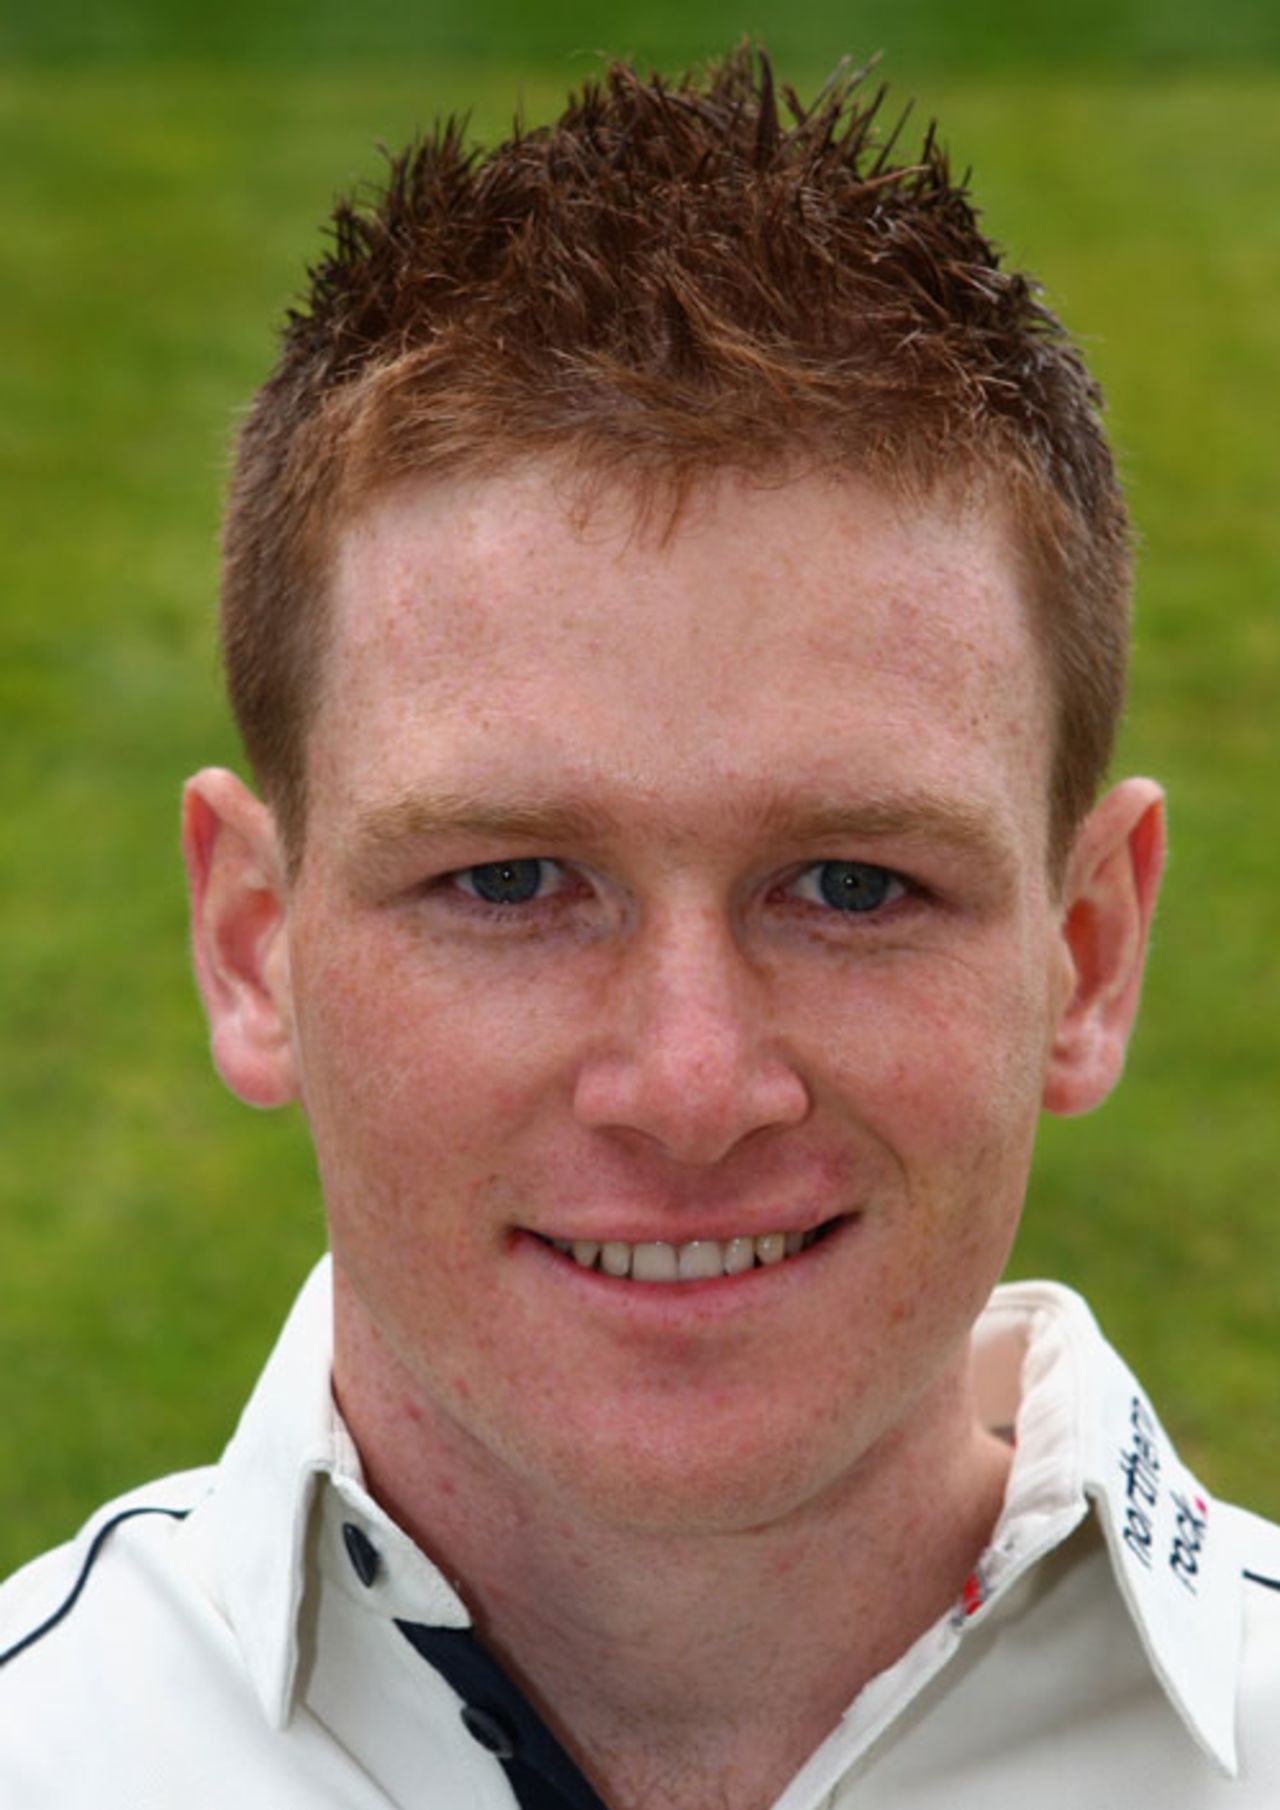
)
(53, 1587)
(1258, 1544)
(97, 1637)
(123, 1685)
(49, 1590)
(1196, 1579)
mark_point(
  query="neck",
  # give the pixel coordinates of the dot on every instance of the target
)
(717, 1658)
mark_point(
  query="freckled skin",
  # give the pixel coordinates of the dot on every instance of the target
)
(680, 1039)
(675, 1035)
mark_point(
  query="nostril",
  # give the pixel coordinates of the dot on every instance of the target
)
(697, 1106)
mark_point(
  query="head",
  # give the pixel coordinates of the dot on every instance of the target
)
(675, 603)
(670, 282)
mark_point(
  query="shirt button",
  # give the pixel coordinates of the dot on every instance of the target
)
(365, 1559)
(491, 1729)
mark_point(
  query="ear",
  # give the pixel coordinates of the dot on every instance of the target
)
(1113, 877)
(236, 875)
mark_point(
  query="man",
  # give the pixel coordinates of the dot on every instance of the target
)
(675, 598)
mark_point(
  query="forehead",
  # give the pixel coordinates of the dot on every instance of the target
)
(809, 628)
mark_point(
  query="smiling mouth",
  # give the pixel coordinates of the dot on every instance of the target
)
(696, 1260)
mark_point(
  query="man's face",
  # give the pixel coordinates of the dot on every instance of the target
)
(671, 892)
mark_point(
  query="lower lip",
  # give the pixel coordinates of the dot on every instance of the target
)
(711, 1296)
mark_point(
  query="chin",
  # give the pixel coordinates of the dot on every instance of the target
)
(722, 1479)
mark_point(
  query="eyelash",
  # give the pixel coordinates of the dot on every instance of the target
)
(901, 889)
(503, 908)
(895, 883)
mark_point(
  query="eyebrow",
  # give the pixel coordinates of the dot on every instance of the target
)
(423, 816)
(921, 815)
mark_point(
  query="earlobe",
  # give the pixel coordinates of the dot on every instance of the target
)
(236, 879)
(1112, 881)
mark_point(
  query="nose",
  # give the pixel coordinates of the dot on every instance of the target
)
(687, 1056)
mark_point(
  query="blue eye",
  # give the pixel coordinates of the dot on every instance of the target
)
(851, 886)
(505, 882)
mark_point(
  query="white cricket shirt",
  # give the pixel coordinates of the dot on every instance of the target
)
(1118, 1644)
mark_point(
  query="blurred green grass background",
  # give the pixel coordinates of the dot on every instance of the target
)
(163, 170)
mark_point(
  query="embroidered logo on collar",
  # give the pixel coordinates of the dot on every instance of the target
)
(1140, 1469)
(1173, 1560)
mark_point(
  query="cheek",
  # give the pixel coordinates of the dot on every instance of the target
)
(412, 1076)
(949, 1050)
(941, 1082)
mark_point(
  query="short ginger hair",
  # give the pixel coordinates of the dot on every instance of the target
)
(673, 279)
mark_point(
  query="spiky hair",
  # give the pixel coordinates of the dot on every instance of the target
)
(672, 279)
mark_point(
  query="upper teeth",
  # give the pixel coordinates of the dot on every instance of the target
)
(698, 1260)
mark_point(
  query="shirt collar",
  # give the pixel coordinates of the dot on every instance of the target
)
(1085, 1434)
(291, 1446)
